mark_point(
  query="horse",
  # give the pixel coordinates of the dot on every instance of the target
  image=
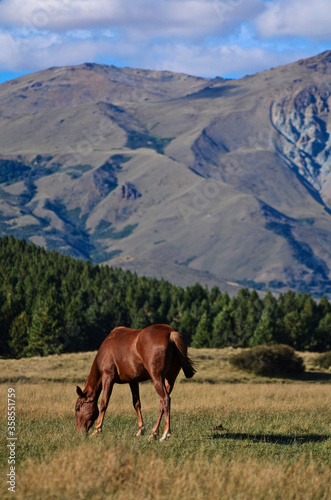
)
(129, 356)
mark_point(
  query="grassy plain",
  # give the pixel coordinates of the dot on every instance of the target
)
(277, 442)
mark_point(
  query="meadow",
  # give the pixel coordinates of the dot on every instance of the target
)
(276, 442)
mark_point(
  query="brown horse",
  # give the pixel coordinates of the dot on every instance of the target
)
(129, 356)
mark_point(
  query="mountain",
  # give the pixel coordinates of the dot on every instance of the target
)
(225, 182)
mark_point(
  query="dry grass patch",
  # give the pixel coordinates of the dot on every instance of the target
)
(276, 445)
(99, 472)
(55, 368)
(40, 401)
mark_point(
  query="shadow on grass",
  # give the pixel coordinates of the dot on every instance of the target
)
(273, 438)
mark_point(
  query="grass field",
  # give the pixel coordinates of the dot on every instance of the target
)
(277, 442)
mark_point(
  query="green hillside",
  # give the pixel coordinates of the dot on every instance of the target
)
(52, 303)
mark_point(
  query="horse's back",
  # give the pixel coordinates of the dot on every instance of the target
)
(118, 344)
(133, 353)
(139, 343)
(121, 335)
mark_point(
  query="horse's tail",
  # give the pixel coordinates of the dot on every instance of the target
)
(186, 363)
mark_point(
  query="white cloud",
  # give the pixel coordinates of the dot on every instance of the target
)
(40, 52)
(221, 60)
(80, 34)
(303, 18)
(139, 19)
(202, 37)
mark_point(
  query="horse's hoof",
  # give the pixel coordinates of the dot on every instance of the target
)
(165, 436)
(152, 437)
(96, 432)
(141, 432)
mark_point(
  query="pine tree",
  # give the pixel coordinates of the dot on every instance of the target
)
(322, 337)
(202, 337)
(187, 326)
(239, 316)
(139, 319)
(264, 333)
(18, 341)
(292, 329)
(267, 330)
(223, 334)
(308, 317)
(255, 308)
(324, 307)
(46, 329)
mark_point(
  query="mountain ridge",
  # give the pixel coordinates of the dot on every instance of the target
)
(225, 181)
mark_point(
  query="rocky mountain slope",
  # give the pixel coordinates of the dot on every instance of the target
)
(225, 182)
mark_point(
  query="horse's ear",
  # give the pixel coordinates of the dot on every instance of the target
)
(79, 391)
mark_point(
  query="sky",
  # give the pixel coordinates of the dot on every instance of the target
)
(228, 38)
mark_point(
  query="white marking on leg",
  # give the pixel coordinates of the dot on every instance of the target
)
(166, 435)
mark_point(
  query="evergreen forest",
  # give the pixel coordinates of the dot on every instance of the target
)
(52, 303)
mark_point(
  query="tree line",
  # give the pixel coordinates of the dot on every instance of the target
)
(52, 303)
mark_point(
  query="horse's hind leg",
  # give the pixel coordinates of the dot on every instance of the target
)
(134, 386)
(163, 392)
(169, 385)
(155, 430)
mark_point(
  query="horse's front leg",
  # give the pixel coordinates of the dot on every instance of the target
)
(134, 386)
(107, 387)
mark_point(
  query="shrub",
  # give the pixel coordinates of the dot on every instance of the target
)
(323, 360)
(271, 361)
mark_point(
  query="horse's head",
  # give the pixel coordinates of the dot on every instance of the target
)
(86, 411)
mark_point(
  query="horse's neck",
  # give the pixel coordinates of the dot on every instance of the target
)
(93, 381)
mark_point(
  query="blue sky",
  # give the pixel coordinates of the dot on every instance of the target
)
(228, 38)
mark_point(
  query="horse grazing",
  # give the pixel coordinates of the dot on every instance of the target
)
(129, 356)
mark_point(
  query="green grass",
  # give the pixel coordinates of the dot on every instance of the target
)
(276, 442)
